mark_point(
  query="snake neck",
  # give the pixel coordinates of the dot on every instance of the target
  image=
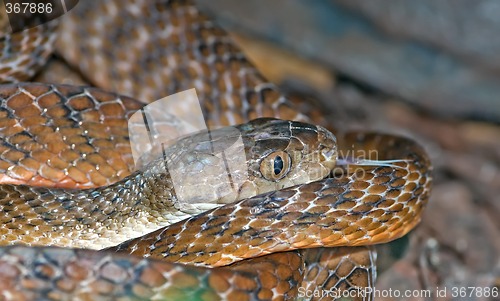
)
(140, 193)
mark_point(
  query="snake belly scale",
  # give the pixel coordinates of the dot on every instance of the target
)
(266, 240)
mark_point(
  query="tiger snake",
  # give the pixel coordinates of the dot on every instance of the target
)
(264, 247)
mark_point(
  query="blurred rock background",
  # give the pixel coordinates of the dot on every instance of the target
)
(427, 69)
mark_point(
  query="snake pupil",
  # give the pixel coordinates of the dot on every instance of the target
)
(278, 165)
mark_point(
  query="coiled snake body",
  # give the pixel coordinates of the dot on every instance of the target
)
(67, 136)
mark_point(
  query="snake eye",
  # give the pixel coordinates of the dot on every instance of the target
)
(275, 166)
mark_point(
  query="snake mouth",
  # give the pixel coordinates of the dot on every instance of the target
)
(329, 157)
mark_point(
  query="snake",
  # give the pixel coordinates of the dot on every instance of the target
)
(79, 223)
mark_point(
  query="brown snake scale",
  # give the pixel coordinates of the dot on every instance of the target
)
(300, 233)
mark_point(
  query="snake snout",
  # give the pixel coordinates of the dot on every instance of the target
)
(328, 147)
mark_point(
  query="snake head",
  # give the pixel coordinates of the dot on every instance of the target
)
(282, 153)
(209, 168)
